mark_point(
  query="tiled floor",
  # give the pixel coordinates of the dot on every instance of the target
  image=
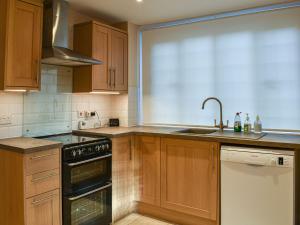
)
(136, 219)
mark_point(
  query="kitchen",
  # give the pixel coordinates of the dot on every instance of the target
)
(118, 112)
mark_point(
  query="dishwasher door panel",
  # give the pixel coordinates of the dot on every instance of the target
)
(256, 195)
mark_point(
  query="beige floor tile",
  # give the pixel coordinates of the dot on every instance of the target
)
(136, 219)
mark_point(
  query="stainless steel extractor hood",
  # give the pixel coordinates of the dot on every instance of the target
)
(55, 37)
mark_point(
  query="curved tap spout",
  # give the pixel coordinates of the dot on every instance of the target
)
(221, 125)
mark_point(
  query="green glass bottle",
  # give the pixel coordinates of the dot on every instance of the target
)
(237, 123)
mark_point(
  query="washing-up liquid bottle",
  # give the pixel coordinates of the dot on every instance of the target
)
(257, 125)
(247, 125)
(237, 122)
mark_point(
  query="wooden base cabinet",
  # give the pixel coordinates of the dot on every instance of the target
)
(189, 177)
(30, 188)
(43, 209)
(147, 169)
(179, 180)
(20, 44)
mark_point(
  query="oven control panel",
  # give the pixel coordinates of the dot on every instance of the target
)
(87, 150)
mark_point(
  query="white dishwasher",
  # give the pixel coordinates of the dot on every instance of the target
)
(257, 186)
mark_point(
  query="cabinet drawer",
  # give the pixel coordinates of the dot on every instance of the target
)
(43, 209)
(42, 161)
(42, 182)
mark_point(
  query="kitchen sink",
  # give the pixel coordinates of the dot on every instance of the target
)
(196, 131)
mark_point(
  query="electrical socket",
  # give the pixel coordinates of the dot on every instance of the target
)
(5, 119)
(87, 114)
(81, 114)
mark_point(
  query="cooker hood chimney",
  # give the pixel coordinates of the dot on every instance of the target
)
(55, 37)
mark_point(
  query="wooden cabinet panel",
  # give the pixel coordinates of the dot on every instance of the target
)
(189, 177)
(101, 52)
(119, 60)
(42, 161)
(24, 46)
(122, 177)
(43, 209)
(39, 183)
(147, 154)
(107, 44)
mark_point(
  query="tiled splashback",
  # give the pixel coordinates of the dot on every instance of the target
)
(56, 110)
(50, 110)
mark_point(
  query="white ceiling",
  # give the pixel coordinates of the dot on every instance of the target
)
(154, 11)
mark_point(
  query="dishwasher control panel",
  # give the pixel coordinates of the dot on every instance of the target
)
(257, 157)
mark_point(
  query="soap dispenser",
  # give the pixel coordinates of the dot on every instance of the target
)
(247, 125)
(257, 125)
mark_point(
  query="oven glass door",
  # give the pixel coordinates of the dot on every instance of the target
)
(83, 176)
(91, 208)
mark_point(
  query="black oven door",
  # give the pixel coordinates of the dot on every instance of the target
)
(91, 208)
(83, 176)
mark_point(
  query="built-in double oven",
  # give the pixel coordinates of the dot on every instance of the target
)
(86, 180)
(87, 191)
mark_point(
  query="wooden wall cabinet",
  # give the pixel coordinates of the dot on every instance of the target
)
(189, 177)
(107, 44)
(20, 44)
(30, 190)
(122, 177)
(147, 160)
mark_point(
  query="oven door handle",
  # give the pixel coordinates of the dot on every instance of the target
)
(90, 192)
(89, 160)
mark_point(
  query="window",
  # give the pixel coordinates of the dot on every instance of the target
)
(251, 63)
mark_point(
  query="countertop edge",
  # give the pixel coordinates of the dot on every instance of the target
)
(6, 147)
(222, 140)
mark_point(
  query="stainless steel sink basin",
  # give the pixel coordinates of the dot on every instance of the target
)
(196, 131)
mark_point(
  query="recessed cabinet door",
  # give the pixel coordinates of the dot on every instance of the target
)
(43, 209)
(148, 169)
(24, 46)
(119, 61)
(189, 177)
(101, 79)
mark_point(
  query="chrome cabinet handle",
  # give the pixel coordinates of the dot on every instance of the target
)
(90, 192)
(44, 177)
(89, 160)
(38, 202)
(109, 77)
(114, 78)
(40, 156)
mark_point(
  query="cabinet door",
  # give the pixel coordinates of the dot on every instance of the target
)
(101, 79)
(122, 177)
(43, 209)
(148, 169)
(24, 46)
(119, 61)
(189, 177)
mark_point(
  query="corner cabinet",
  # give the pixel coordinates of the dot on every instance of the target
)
(189, 177)
(20, 44)
(107, 44)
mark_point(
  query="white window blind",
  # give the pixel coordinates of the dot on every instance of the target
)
(251, 63)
